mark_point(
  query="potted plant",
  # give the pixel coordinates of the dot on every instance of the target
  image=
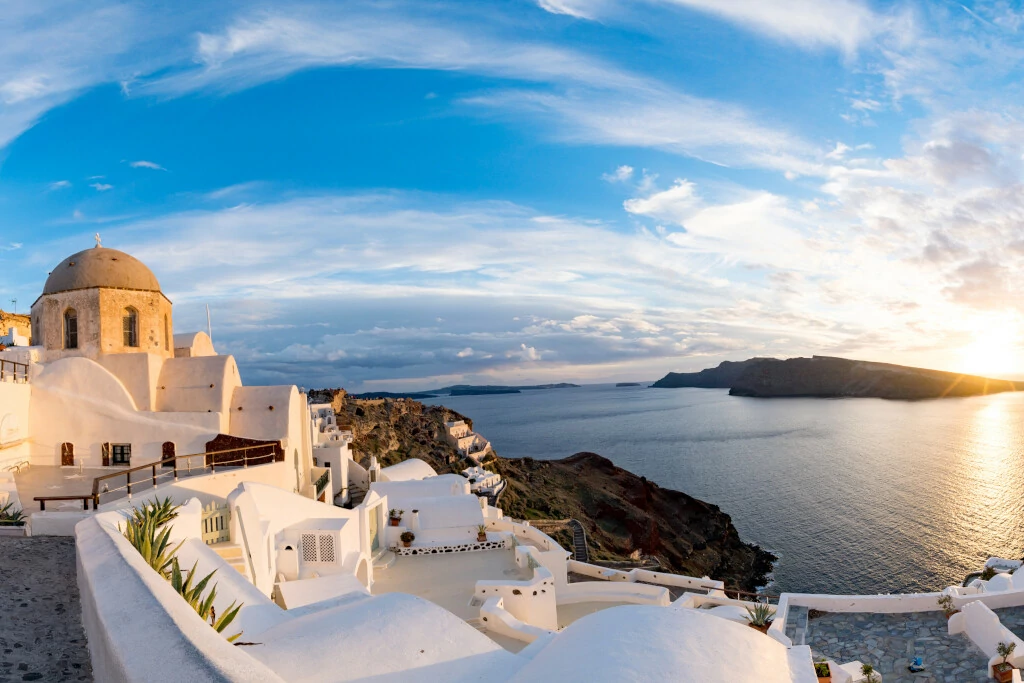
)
(407, 538)
(946, 604)
(761, 616)
(395, 516)
(1003, 671)
(481, 533)
(987, 573)
(869, 674)
(822, 671)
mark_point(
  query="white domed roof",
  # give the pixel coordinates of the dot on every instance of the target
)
(101, 267)
(646, 643)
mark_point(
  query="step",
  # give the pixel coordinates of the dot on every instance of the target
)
(385, 560)
(477, 624)
(228, 551)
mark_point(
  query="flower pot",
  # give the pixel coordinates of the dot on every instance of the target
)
(406, 543)
(762, 629)
(949, 615)
(1003, 672)
(481, 538)
(825, 677)
(395, 520)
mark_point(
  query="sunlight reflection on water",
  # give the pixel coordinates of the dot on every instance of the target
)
(855, 495)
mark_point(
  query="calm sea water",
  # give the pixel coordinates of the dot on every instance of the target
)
(854, 495)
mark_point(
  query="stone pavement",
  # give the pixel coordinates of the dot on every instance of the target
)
(41, 635)
(1012, 618)
(889, 641)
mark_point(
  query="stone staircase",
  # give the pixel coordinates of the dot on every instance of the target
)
(580, 552)
(477, 623)
(233, 555)
(796, 624)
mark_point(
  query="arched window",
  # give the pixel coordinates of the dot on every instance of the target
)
(131, 327)
(167, 334)
(70, 329)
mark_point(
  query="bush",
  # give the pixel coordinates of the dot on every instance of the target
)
(408, 537)
(9, 517)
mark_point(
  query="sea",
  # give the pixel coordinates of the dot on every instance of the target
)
(855, 496)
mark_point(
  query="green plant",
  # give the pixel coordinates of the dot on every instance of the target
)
(821, 669)
(10, 517)
(946, 604)
(408, 537)
(143, 531)
(481, 528)
(987, 573)
(182, 584)
(1004, 650)
(532, 563)
(760, 615)
(395, 514)
(869, 674)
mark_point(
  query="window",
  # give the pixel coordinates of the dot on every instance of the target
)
(121, 453)
(70, 329)
(131, 327)
(167, 333)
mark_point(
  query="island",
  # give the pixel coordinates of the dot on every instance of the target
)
(832, 377)
(628, 384)
(483, 390)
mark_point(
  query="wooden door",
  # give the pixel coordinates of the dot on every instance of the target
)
(168, 454)
(67, 454)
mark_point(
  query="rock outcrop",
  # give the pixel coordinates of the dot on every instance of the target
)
(623, 514)
(721, 377)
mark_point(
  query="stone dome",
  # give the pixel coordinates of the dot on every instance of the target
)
(101, 267)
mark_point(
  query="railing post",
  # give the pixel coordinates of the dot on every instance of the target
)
(128, 477)
(42, 506)
(175, 463)
(154, 476)
(245, 458)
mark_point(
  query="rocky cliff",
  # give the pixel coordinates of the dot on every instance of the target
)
(721, 377)
(827, 377)
(623, 514)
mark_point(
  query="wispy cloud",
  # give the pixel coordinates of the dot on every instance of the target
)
(147, 164)
(59, 185)
(101, 187)
(620, 175)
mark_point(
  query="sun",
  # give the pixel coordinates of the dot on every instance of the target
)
(994, 351)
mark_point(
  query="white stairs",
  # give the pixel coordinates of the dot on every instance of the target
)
(232, 554)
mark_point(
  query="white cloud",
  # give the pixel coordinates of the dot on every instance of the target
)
(465, 353)
(572, 8)
(812, 23)
(59, 185)
(525, 353)
(620, 175)
(101, 187)
(147, 164)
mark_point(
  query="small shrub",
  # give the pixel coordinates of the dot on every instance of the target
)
(9, 517)
(869, 674)
(395, 514)
(182, 584)
(143, 531)
(946, 605)
(408, 537)
(1004, 650)
(821, 669)
(761, 614)
(988, 573)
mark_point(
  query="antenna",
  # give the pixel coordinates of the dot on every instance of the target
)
(209, 327)
(15, 302)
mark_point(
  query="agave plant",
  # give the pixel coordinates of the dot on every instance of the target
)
(9, 517)
(761, 614)
(193, 594)
(143, 531)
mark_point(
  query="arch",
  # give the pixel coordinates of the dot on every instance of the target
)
(67, 454)
(70, 329)
(167, 333)
(130, 323)
(167, 453)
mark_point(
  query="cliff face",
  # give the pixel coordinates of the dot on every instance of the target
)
(822, 376)
(721, 377)
(622, 513)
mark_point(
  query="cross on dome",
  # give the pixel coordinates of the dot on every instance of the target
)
(98, 242)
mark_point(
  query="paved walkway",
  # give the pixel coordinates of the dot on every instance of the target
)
(41, 635)
(889, 641)
(1013, 619)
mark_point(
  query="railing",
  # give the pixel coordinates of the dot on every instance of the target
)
(156, 472)
(741, 595)
(16, 467)
(13, 371)
(322, 482)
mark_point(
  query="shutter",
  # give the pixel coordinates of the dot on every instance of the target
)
(105, 449)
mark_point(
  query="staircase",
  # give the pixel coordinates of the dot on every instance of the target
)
(796, 624)
(477, 623)
(580, 553)
(233, 555)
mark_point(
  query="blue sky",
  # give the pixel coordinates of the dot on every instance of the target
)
(400, 195)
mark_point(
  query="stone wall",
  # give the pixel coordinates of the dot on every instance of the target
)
(21, 323)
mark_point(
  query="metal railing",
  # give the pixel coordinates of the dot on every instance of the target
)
(43, 500)
(156, 473)
(322, 482)
(13, 371)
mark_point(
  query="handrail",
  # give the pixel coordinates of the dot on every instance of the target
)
(267, 450)
(767, 597)
(43, 500)
(13, 372)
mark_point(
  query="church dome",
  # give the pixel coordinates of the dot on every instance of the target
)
(101, 267)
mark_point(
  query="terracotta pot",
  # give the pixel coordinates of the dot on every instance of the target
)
(762, 629)
(480, 538)
(395, 520)
(825, 679)
(406, 543)
(1003, 672)
(949, 615)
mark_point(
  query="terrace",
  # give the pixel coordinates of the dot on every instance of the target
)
(889, 642)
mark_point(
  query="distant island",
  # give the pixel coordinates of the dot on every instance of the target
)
(627, 384)
(464, 390)
(830, 377)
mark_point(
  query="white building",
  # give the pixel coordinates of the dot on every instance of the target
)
(483, 482)
(468, 443)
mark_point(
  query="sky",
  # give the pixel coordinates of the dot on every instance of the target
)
(404, 195)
